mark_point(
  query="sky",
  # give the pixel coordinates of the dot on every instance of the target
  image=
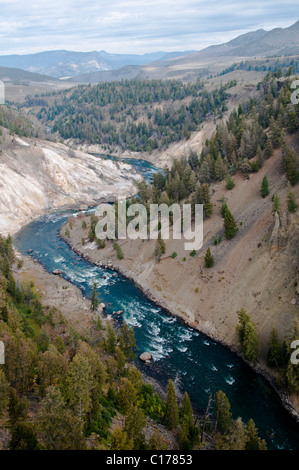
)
(134, 26)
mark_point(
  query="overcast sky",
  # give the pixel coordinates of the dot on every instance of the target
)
(134, 26)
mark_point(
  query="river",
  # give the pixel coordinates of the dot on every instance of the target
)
(196, 363)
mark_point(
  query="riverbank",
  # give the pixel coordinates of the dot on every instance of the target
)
(56, 292)
(107, 260)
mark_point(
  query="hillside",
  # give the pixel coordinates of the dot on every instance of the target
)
(278, 42)
(40, 176)
(129, 115)
(19, 76)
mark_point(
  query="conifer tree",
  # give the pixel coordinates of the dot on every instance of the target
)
(223, 414)
(274, 354)
(234, 438)
(230, 184)
(189, 433)
(172, 409)
(290, 165)
(186, 410)
(259, 157)
(268, 149)
(265, 187)
(4, 392)
(248, 336)
(209, 259)
(203, 197)
(94, 297)
(275, 204)
(253, 441)
(134, 425)
(23, 437)
(292, 204)
(127, 340)
(111, 339)
(119, 440)
(230, 226)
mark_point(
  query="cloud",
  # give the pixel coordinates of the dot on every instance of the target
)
(138, 26)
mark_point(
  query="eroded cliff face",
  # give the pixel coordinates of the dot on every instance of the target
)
(38, 176)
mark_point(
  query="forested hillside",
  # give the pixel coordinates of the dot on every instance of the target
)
(131, 115)
(243, 143)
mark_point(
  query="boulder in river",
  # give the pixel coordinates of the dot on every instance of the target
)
(145, 357)
(102, 306)
(57, 272)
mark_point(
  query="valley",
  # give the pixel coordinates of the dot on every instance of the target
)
(215, 127)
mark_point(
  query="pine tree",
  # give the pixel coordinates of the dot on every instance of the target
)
(276, 133)
(134, 425)
(230, 184)
(268, 149)
(203, 197)
(292, 204)
(63, 430)
(265, 187)
(188, 433)
(290, 165)
(274, 354)
(259, 157)
(94, 297)
(223, 414)
(209, 259)
(111, 339)
(127, 340)
(172, 409)
(186, 410)
(253, 441)
(17, 407)
(248, 336)
(230, 226)
(4, 392)
(23, 437)
(251, 342)
(119, 440)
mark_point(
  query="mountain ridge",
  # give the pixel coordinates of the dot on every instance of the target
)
(64, 64)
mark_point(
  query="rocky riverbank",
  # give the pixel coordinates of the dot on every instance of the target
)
(56, 292)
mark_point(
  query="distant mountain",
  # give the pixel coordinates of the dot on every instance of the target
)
(210, 60)
(94, 67)
(19, 76)
(229, 47)
(258, 43)
(278, 41)
(62, 64)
